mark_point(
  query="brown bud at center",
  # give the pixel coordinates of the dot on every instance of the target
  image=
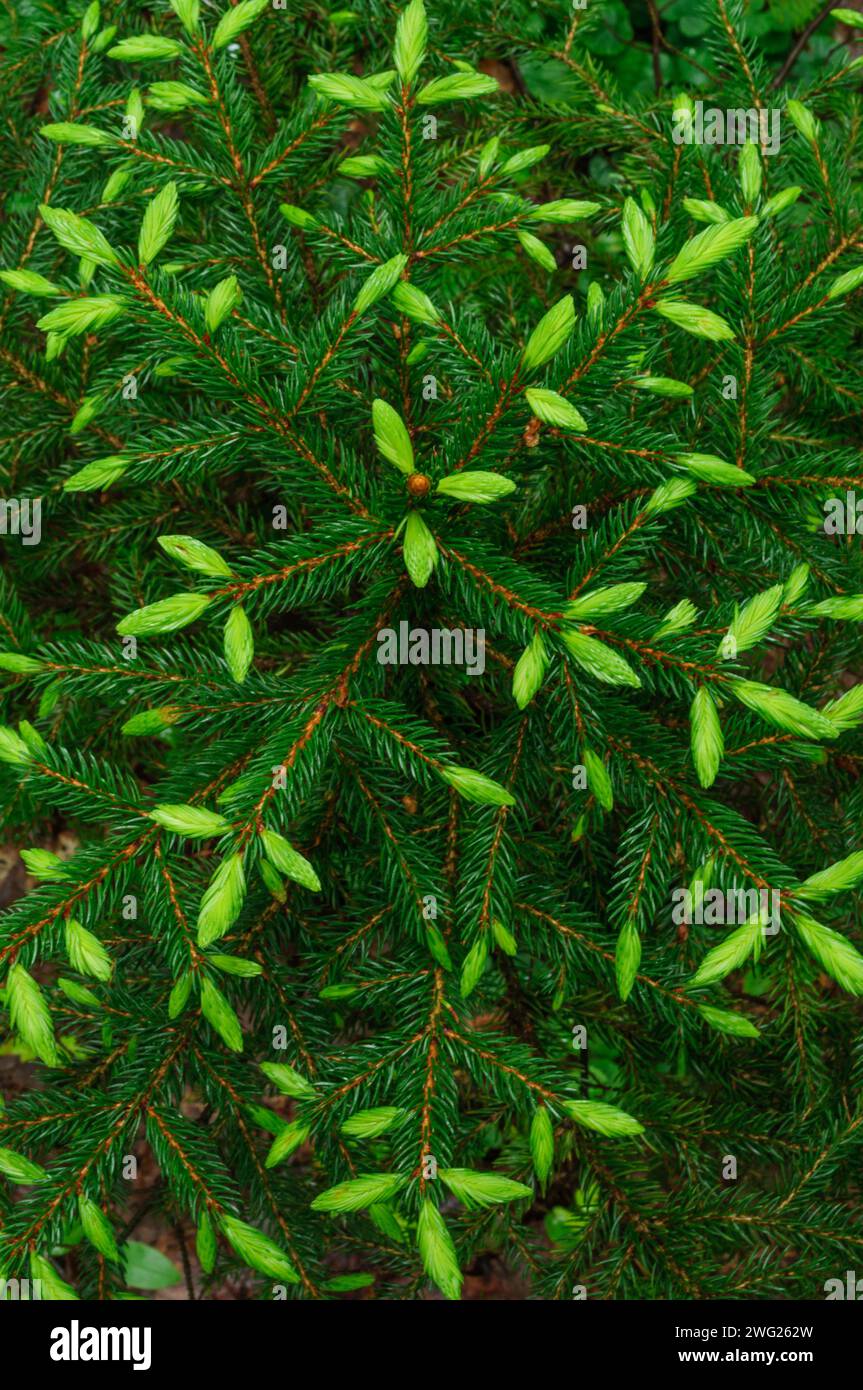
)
(530, 437)
(418, 485)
